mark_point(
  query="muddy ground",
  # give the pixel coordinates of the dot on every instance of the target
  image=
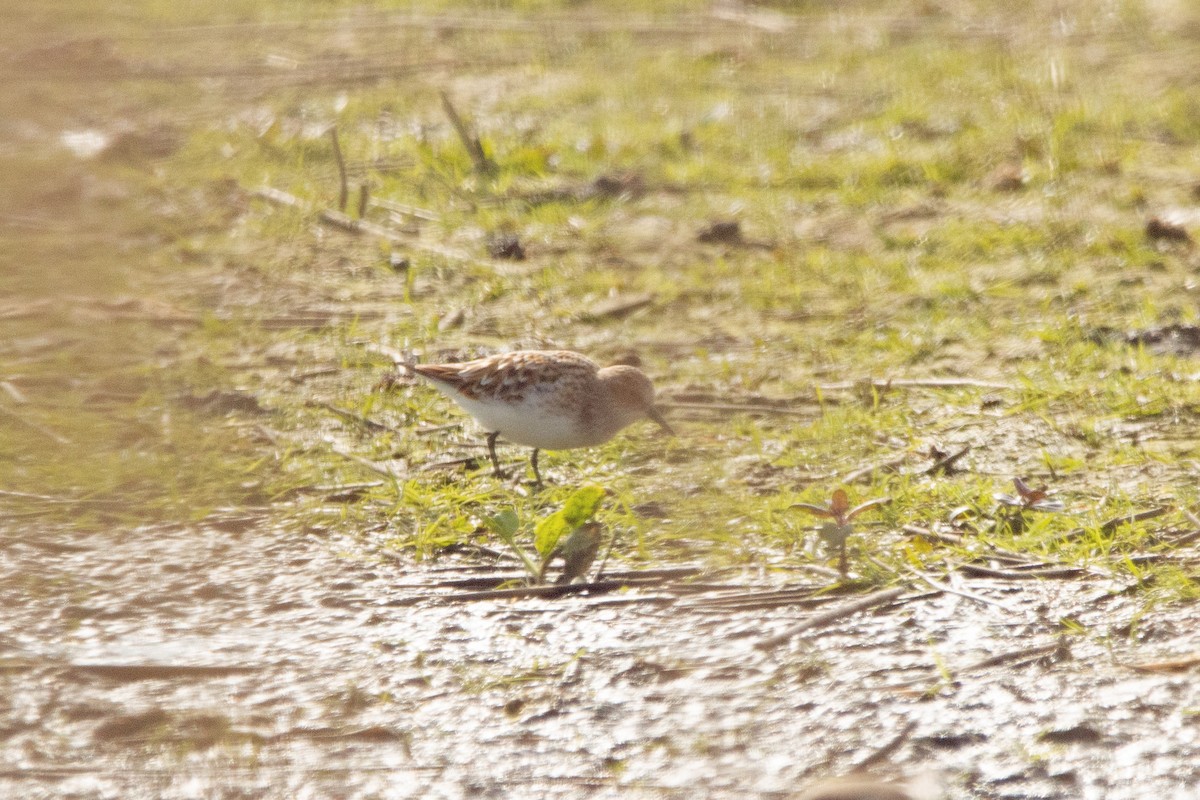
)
(180, 621)
(237, 661)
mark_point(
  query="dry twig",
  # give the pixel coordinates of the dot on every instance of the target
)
(37, 426)
(339, 220)
(946, 463)
(350, 416)
(735, 408)
(1171, 665)
(1025, 654)
(885, 752)
(483, 164)
(915, 383)
(364, 199)
(833, 615)
(519, 592)
(1128, 519)
(13, 392)
(870, 469)
(381, 469)
(343, 187)
(948, 589)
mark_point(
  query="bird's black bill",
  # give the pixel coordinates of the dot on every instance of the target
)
(657, 416)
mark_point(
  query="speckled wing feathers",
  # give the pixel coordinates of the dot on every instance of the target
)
(509, 376)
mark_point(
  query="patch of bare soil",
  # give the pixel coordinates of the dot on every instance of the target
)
(234, 660)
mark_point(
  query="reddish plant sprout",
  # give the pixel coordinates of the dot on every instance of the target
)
(1029, 499)
(836, 532)
(838, 508)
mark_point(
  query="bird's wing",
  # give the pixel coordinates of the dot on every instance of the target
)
(507, 375)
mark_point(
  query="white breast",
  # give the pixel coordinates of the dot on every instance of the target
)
(530, 422)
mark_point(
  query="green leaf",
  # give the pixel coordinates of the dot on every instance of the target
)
(835, 535)
(583, 504)
(548, 532)
(578, 509)
(505, 523)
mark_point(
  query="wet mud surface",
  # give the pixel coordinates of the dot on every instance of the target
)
(171, 662)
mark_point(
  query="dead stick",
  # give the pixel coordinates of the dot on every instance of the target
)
(943, 587)
(1128, 519)
(432, 429)
(371, 465)
(405, 210)
(612, 542)
(917, 383)
(364, 198)
(1186, 538)
(871, 469)
(12, 391)
(346, 223)
(350, 416)
(1173, 665)
(933, 536)
(555, 590)
(279, 197)
(45, 498)
(301, 377)
(945, 463)
(456, 462)
(42, 429)
(832, 615)
(885, 752)
(344, 190)
(1025, 654)
(1033, 573)
(482, 163)
(736, 408)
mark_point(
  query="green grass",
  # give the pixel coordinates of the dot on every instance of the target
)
(855, 150)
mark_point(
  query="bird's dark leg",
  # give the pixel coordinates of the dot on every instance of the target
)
(491, 440)
(537, 476)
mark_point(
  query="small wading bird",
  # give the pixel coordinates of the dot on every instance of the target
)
(545, 399)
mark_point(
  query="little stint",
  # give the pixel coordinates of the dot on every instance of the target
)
(545, 399)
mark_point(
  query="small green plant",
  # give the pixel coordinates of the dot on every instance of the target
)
(568, 533)
(835, 532)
